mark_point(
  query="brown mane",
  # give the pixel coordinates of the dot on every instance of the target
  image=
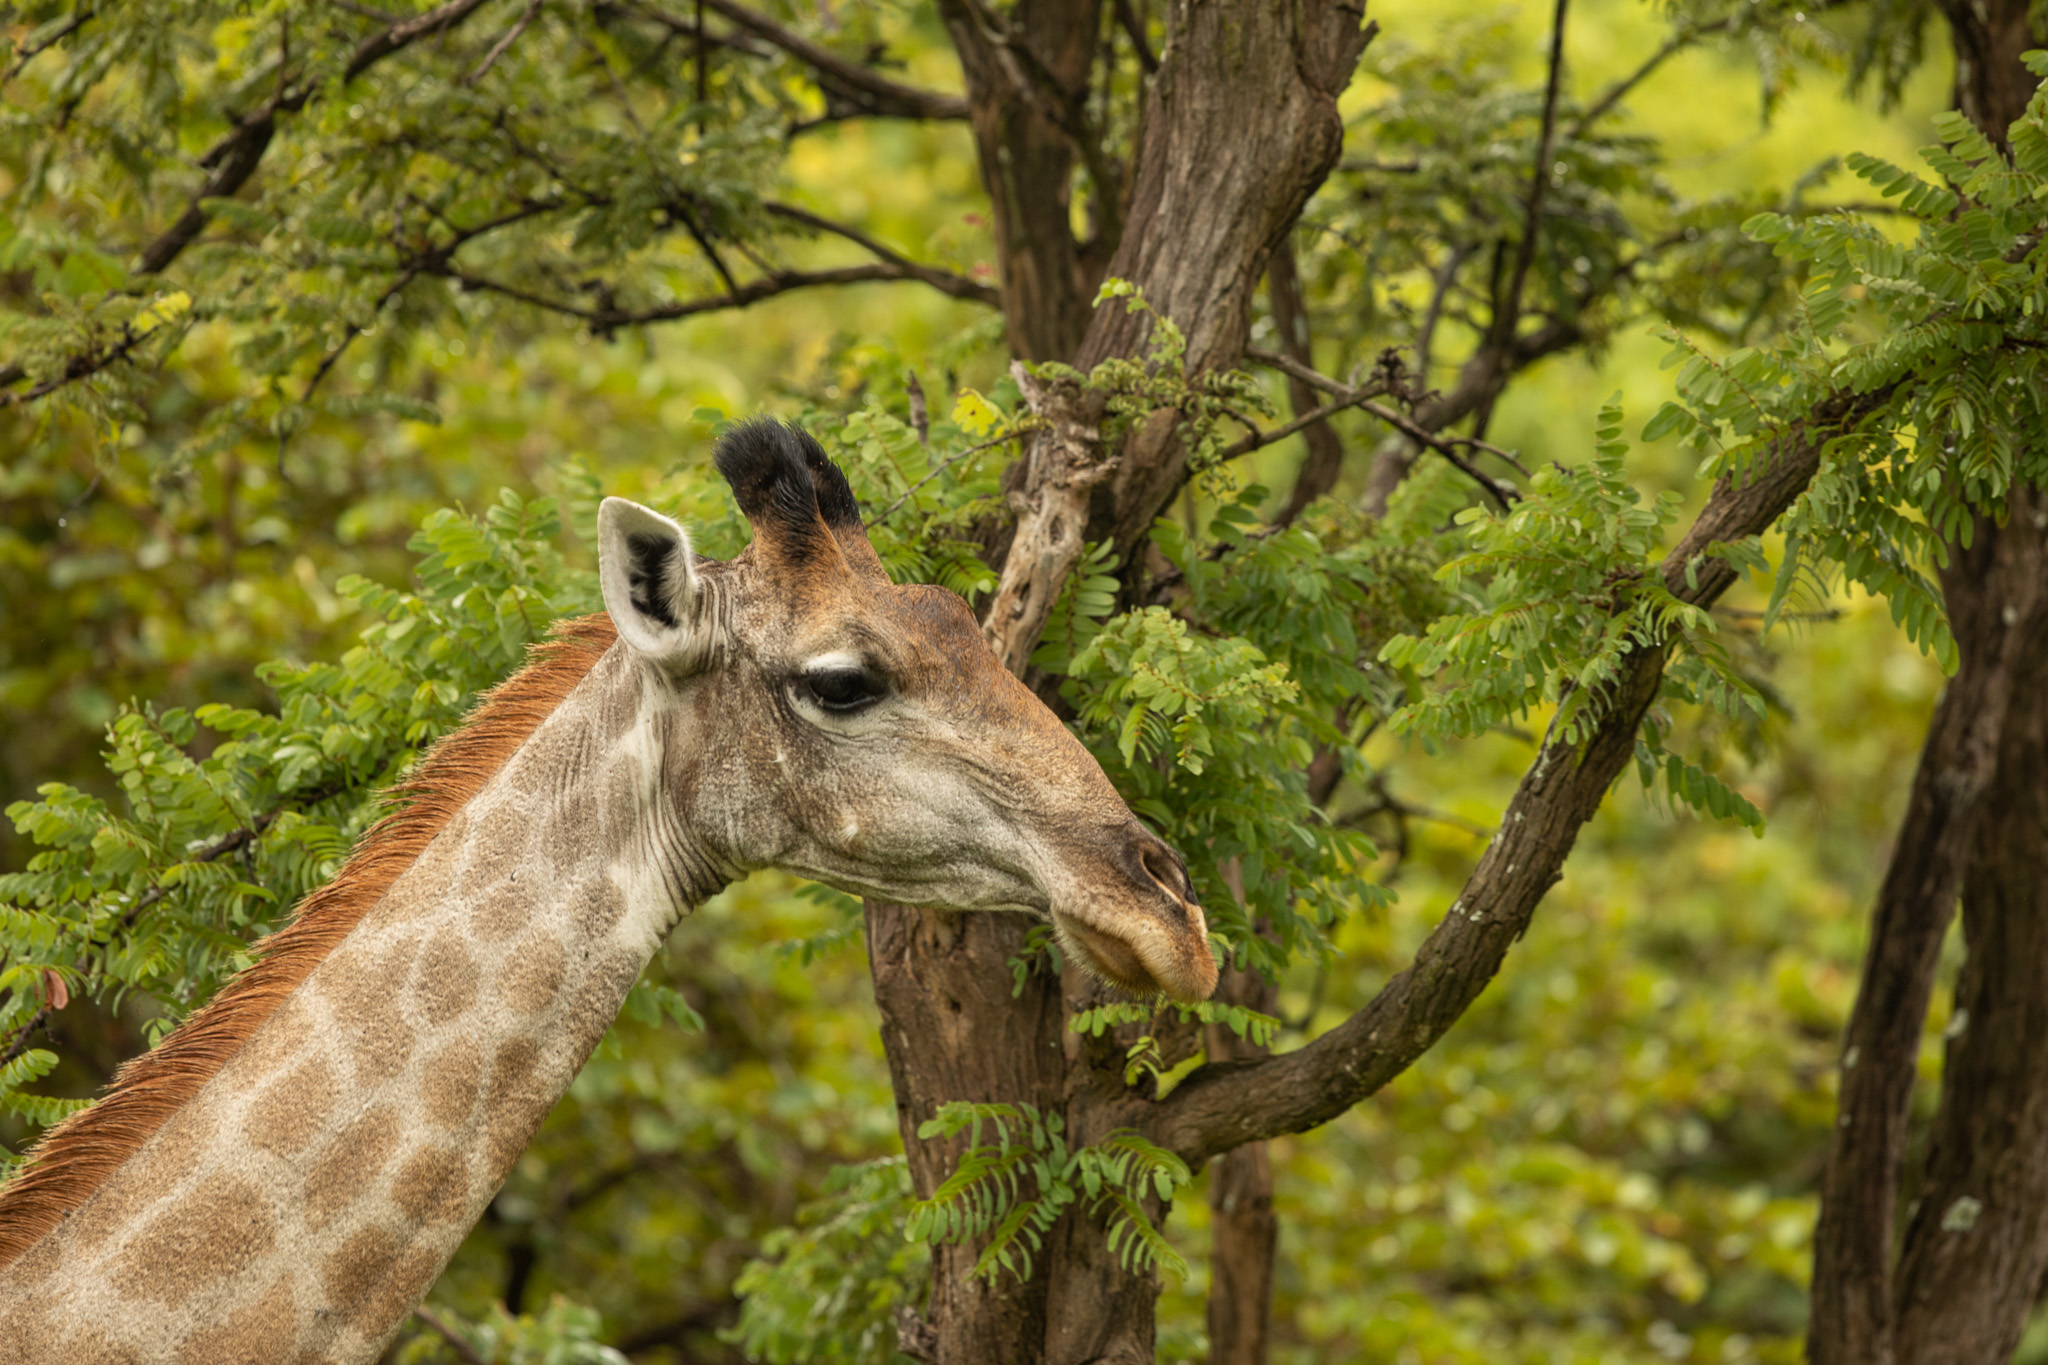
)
(76, 1157)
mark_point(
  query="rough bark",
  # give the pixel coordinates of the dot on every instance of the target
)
(1325, 458)
(952, 1032)
(1971, 736)
(1240, 125)
(1097, 1311)
(1977, 1241)
(1027, 77)
(1064, 461)
(1976, 823)
(1244, 1230)
(1851, 1320)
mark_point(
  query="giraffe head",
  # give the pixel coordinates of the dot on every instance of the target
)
(816, 717)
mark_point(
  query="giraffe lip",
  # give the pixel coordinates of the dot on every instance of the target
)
(1106, 955)
(1178, 970)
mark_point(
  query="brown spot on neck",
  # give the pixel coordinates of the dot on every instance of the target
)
(78, 1156)
(208, 1238)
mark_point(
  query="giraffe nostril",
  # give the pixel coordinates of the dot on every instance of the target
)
(1165, 868)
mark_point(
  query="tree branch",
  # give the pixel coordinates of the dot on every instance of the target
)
(1508, 312)
(1447, 446)
(499, 48)
(1480, 379)
(463, 1350)
(945, 281)
(864, 87)
(78, 20)
(234, 158)
(1325, 459)
(76, 368)
(1065, 462)
(606, 320)
(1222, 1107)
(228, 843)
(1974, 773)
(1134, 29)
(1686, 36)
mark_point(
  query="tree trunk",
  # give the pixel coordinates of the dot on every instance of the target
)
(1026, 83)
(1852, 1322)
(1244, 1230)
(1240, 125)
(952, 1032)
(1977, 1241)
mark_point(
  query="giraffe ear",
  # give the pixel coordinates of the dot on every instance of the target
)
(650, 588)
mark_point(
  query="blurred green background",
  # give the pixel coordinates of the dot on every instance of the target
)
(1610, 1159)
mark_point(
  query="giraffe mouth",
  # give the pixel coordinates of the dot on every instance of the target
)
(1106, 956)
(1123, 963)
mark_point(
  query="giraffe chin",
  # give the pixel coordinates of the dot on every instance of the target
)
(1117, 961)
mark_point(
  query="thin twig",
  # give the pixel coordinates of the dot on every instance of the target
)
(368, 11)
(79, 367)
(1748, 614)
(959, 286)
(951, 460)
(1389, 805)
(703, 240)
(1345, 397)
(610, 319)
(1686, 36)
(24, 1034)
(424, 264)
(213, 852)
(499, 48)
(1446, 276)
(78, 20)
(1508, 312)
(857, 84)
(462, 1348)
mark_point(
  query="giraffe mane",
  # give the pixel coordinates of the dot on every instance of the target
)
(79, 1155)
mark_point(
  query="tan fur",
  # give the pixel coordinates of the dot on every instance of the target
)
(76, 1158)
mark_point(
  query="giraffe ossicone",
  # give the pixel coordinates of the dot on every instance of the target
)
(283, 1179)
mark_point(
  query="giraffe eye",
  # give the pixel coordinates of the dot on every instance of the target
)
(844, 690)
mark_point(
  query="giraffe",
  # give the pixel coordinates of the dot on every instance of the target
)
(284, 1178)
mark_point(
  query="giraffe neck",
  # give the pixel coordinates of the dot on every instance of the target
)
(303, 1202)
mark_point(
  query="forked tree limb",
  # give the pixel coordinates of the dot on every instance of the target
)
(1221, 1107)
(1344, 398)
(1973, 830)
(1065, 461)
(234, 158)
(945, 281)
(1976, 1239)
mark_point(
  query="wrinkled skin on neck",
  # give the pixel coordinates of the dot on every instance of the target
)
(829, 722)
